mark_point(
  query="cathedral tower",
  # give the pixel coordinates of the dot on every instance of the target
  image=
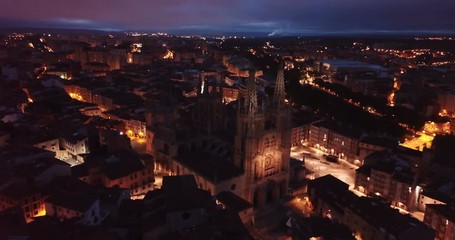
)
(208, 116)
(263, 151)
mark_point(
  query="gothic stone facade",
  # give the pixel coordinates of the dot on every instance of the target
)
(258, 157)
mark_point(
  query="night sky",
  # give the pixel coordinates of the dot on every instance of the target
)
(278, 16)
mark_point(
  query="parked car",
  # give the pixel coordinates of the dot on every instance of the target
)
(332, 158)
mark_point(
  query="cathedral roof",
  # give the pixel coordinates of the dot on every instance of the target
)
(216, 169)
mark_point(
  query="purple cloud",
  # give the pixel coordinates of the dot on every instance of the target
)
(266, 15)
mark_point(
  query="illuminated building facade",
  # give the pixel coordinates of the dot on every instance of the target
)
(441, 218)
(336, 139)
(28, 198)
(262, 144)
(367, 218)
(391, 177)
(30, 172)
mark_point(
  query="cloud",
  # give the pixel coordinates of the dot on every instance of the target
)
(74, 21)
(263, 15)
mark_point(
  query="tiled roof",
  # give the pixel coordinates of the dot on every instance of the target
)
(232, 201)
(74, 201)
(216, 169)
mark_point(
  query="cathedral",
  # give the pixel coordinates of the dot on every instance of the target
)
(242, 147)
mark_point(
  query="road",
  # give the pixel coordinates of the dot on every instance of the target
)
(315, 162)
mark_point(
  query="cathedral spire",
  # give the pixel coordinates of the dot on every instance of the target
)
(203, 85)
(217, 86)
(279, 94)
(251, 101)
(200, 87)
